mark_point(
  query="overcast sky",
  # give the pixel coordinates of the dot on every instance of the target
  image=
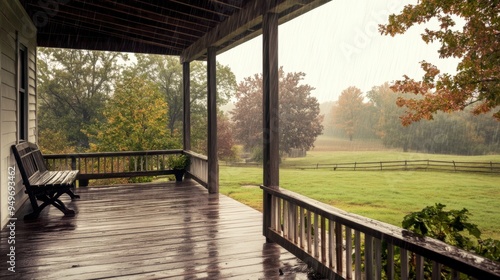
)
(338, 45)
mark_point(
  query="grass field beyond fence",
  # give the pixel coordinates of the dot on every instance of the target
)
(386, 195)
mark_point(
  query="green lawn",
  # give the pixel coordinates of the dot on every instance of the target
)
(387, 196)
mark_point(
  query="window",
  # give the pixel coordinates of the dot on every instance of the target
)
(23, 93)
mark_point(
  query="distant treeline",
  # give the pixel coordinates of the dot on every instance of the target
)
(376, 115)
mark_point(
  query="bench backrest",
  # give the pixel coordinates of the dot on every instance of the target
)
(29, 160)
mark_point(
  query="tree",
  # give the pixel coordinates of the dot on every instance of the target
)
(388, 126)
(73, 86)
(134, 120)
(477, 45)
(166, 73)
(348, 111)
(447, 133)
(225, 140)
(300, 121)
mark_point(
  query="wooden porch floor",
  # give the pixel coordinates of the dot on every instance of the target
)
(148, 231)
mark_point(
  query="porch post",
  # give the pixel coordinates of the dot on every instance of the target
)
(270, 101)
(270, 105)
(186, 124)
(213, 164)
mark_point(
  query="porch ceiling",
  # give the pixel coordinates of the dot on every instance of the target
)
(174, 27)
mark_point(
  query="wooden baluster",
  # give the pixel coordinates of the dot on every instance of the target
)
(295, 225)
(338, 247)
(368, 257)
(286, 219)
(436, 271)
(357, 255)
(302, 227)
(348, 252)
(378, 258)
(331, 247)
(280, 228)
(419, 267)
(316, 236)
(455, 275)
(323, 240)
(390, 261)
(273, 212)
(405, 273)
(309, 229)
(293, 222)
(290, 221)
(278, 215)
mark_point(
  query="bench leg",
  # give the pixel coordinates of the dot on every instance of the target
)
(60, 205)
(52, 199)
(34, 206)
(32, 216)
(72, 195)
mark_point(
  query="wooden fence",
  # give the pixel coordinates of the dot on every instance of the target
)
(436, 165)
(342, 245)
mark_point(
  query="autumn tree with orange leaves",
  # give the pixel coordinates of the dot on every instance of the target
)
(349, 112)
(476, 44)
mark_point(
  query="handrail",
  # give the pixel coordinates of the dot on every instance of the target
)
(111, 154)
(330, 240)
(103, 165)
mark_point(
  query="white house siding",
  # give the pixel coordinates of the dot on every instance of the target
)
(13, 19)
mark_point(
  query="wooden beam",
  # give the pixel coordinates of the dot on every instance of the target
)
(241, 20)
(213, 163)
(250, 16)
(270, 101)
(186, 124)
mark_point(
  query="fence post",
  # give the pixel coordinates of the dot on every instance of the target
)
(73, 163)
(454, 166)
(355, 166)
(406, 165)
(491, 166)
(381, 166)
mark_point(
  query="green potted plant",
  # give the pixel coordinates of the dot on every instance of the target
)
(179, 163)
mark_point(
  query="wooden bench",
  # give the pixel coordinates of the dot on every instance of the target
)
(40, 183)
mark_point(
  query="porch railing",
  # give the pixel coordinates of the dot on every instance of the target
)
(198, 169)
(105, 165)
(342, 245)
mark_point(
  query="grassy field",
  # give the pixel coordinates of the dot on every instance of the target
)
(387, 195)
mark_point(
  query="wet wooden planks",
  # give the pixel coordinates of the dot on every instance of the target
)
(148, 231)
